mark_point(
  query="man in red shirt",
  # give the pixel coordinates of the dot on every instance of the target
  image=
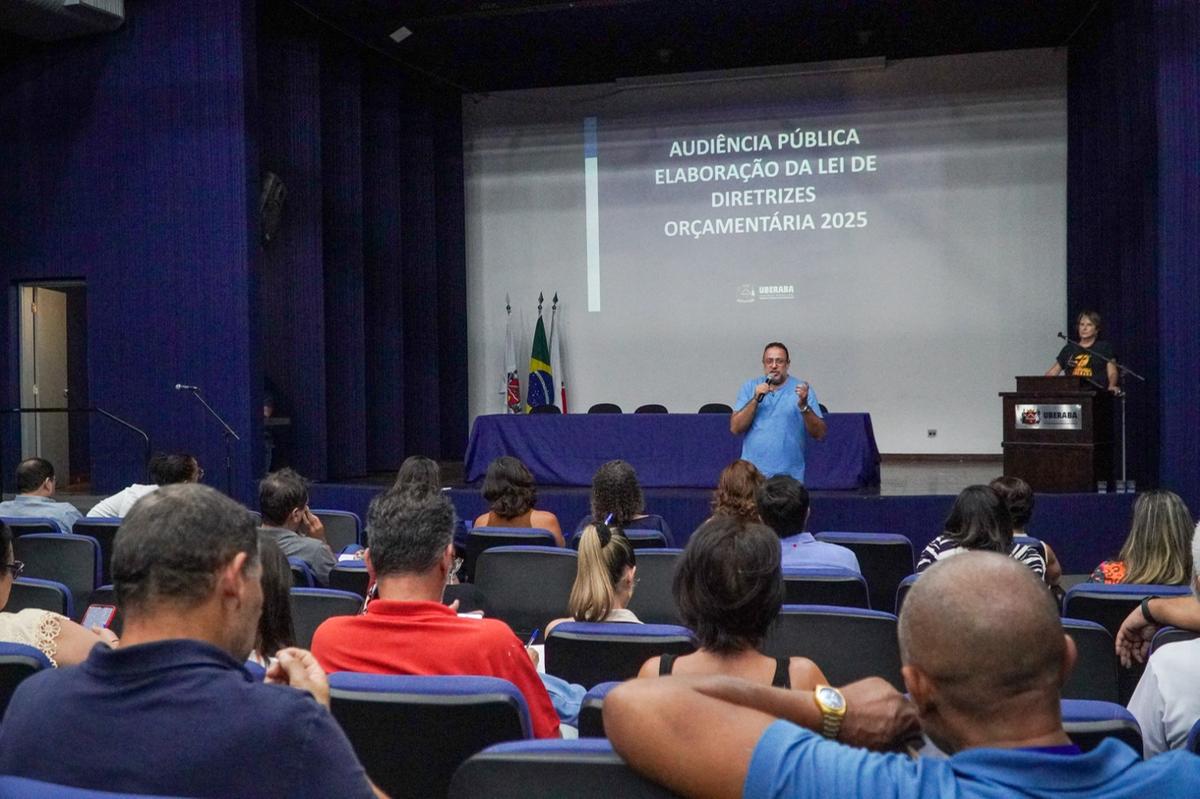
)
(408, 630)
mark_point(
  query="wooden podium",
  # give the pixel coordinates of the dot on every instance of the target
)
(1058, 433)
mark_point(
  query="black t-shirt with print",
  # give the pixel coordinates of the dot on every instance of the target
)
(1077, 361)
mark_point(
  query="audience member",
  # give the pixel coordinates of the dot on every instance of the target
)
(737, 491)
(617, 500)
(283, 502)
(408, 630)
(418, 474)
(605, 576)
(729, 589)
(1017, 496)
(979, 520)
(1166, 702)
(275, 629)
(61, 640)
(173, 712)
(165, 469)
(783, 505)
(1154, 613)
(36, 485)
(984, 659)
(510, 494)
(1156, 550)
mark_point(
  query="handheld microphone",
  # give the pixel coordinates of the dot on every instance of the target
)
(182, 387)
(770, 381)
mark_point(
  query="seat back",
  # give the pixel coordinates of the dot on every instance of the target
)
(653, 600)
(104, 530)
(1095, 672)
(12, 787)
(1193, 739)
(639, 539)
(30, 592)
(847, 643)
(527, 587)
(469, 598)
(825, 586)
(591, 710)
(481, 539)
(342, 528)
(652, 407)
(605, 407)
(1170, 635)
(302, 575)
(544, 409)
(902, 590)
(73, 560)
(715, 407)
(1088, 722)
(884, 558)
(311, 606)
(586, 768)
(589, 653)
(24, 525)
(411, 733)
(347, 577)
(17, 661)
(1110, 604)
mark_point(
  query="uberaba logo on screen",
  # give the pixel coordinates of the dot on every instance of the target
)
(748, 293)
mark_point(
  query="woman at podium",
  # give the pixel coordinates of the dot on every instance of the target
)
(1090, 358)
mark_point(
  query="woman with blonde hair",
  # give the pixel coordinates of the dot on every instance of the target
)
(737, 488)
(604, 578)
(1157, 550)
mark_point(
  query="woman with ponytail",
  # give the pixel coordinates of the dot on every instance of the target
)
(604, 577)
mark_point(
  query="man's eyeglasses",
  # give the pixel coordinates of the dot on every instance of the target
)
(16, 567)
(775, 361)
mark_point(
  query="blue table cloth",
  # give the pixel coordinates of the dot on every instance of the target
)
(683, 450)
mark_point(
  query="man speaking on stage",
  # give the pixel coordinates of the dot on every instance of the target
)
(777, 413)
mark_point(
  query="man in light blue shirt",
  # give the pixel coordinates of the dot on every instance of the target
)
(777, 414)
(35, 487)
(985, 658)
(783, 505)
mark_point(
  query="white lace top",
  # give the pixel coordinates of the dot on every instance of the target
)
(33, 627)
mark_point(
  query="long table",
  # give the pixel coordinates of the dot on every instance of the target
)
(682, 450)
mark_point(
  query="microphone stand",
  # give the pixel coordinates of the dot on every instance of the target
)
(230, 437)
(1124, 370)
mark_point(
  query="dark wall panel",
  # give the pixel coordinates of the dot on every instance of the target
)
(452, 279)
(127, 165)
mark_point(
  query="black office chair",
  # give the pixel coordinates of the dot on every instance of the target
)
(884, 558)
(411, 733)
(104, 530)
(1095, 672)
(605, 407)
(527, 587)
(715, 407)
(825, 586)
(847, 643)
(73, 560)
(545, 409)
(586, 768)
(311, 606)
(587, 653)
(652, 407)
(18, 661)
(653, 601)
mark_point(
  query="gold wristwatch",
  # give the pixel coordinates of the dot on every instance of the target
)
(833, 709)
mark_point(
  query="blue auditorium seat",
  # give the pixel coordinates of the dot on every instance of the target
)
(589, 653)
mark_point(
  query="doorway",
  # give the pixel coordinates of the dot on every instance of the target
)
(53, 375)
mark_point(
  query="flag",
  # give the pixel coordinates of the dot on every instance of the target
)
(556, 367)
(512, 386)
(541, 381)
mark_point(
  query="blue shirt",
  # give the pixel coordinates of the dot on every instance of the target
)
(793, 762)
(26, 506)
(176, 718)
(803, 550)
(776, 439)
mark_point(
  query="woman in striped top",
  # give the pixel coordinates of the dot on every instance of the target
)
(979, 520)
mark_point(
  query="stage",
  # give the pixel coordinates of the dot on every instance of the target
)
(913, 500)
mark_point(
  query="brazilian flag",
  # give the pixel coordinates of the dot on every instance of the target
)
(541, 377)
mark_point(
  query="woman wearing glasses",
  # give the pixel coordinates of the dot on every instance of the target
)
(61, 640)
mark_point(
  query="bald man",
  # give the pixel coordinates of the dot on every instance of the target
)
(984, 659)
